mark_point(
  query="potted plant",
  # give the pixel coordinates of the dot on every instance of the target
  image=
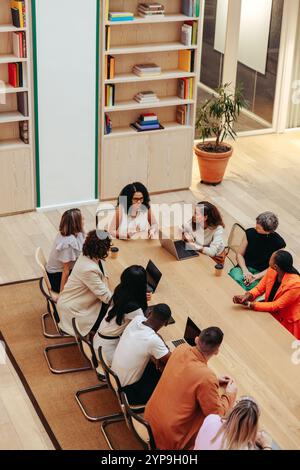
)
(216, 118)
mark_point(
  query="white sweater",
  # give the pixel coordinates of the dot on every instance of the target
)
(210, 239)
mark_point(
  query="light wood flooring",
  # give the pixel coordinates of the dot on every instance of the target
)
(264, 174)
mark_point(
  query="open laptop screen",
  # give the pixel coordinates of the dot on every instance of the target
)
(191, 332)
(153, 275)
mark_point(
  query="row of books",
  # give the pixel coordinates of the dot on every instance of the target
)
(107, 124)
(183, 114)
(109, 95)
(191, 8)
(146, 70)
(15, 74)
(109, 67)
(189, 32)
(18, 13)
(147, 122)
(120, 16)
(19, 44)
(186, 60)
(148, 10)
(146, 97)
(185, 88)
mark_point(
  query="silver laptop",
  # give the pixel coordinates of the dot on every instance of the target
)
(178, 248)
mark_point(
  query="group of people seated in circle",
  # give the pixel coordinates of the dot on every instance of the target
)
(185, 406)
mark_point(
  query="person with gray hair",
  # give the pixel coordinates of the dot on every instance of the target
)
(256, 250)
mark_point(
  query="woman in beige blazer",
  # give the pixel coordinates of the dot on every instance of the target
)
(87, 287)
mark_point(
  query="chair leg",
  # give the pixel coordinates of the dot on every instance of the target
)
(90, 390)
(106, 424)
(63, 371)
(45, 332)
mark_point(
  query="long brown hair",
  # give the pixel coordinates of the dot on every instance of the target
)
(71, 223)
(214, 218)
(240, 426)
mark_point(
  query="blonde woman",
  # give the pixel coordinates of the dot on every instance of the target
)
(238, 431)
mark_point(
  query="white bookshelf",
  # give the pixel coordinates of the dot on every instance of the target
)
(17, 166)
(161, 159)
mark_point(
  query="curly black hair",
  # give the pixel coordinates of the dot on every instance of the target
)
(127, 194)
(97, 244)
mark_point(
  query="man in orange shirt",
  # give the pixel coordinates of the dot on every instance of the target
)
(187, 392)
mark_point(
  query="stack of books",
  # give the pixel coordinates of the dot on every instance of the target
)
(24, 131)
(107, 124)
(146, 97)
(186, 60)
(183, 115)
(15, 74)
(120, 16)
(185, 88)
(147, 122)
(191, 8)
(146, 70)
(19, 44)
(189, 31)
(18, 13)
(109, 67)
(109, 95)
(152, 10)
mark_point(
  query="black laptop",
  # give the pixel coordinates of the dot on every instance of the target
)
(153, 276)
(190, 334)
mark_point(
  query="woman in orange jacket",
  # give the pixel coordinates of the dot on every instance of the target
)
(281, 287)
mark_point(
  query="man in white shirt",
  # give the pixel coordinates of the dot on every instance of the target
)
(141, 355)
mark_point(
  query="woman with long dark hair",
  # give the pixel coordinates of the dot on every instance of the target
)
(281, 287)
(205, 231)
(133, 217)
(128, 301)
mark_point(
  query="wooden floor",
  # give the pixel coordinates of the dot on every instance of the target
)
(264, 174)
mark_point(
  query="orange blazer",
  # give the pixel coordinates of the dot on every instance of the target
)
(286, 304)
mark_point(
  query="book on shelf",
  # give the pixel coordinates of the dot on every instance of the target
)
(24, 131)
(148, 117)
(107, 38)
(22, 100)
(147, 122)
(185, 88)
(107, 124)
(183, 115)
(19, 44)
(109, 95)
(18, 13)
(109, 67)
(189, 31)
(146, 70)
(120, 16)
(190, 8)
(151, 10)
(186, 60)
(146, 97)
(15, 74)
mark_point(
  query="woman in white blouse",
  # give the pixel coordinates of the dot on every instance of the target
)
(129, 300)
(133, 217)
(206, 230)
(66, 249)
(87, 287)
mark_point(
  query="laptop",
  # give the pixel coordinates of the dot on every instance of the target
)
(190, 334)
(178, 249)
(153, 276)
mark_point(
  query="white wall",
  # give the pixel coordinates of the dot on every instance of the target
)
(66, 60)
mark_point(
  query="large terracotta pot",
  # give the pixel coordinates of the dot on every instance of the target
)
(212, 166)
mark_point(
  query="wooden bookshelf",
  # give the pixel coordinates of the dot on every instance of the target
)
(17, 166)
(161, 159)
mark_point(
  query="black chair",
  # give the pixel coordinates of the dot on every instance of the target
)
(88, 352)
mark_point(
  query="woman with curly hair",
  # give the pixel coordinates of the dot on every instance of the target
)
(133, 216)
(87, 287)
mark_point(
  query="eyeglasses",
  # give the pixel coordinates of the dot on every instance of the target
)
(137, 199)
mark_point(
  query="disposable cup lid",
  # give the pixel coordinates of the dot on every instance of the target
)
(219, 266)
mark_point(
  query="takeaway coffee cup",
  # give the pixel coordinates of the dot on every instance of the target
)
(219, 269)
(114, 251)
